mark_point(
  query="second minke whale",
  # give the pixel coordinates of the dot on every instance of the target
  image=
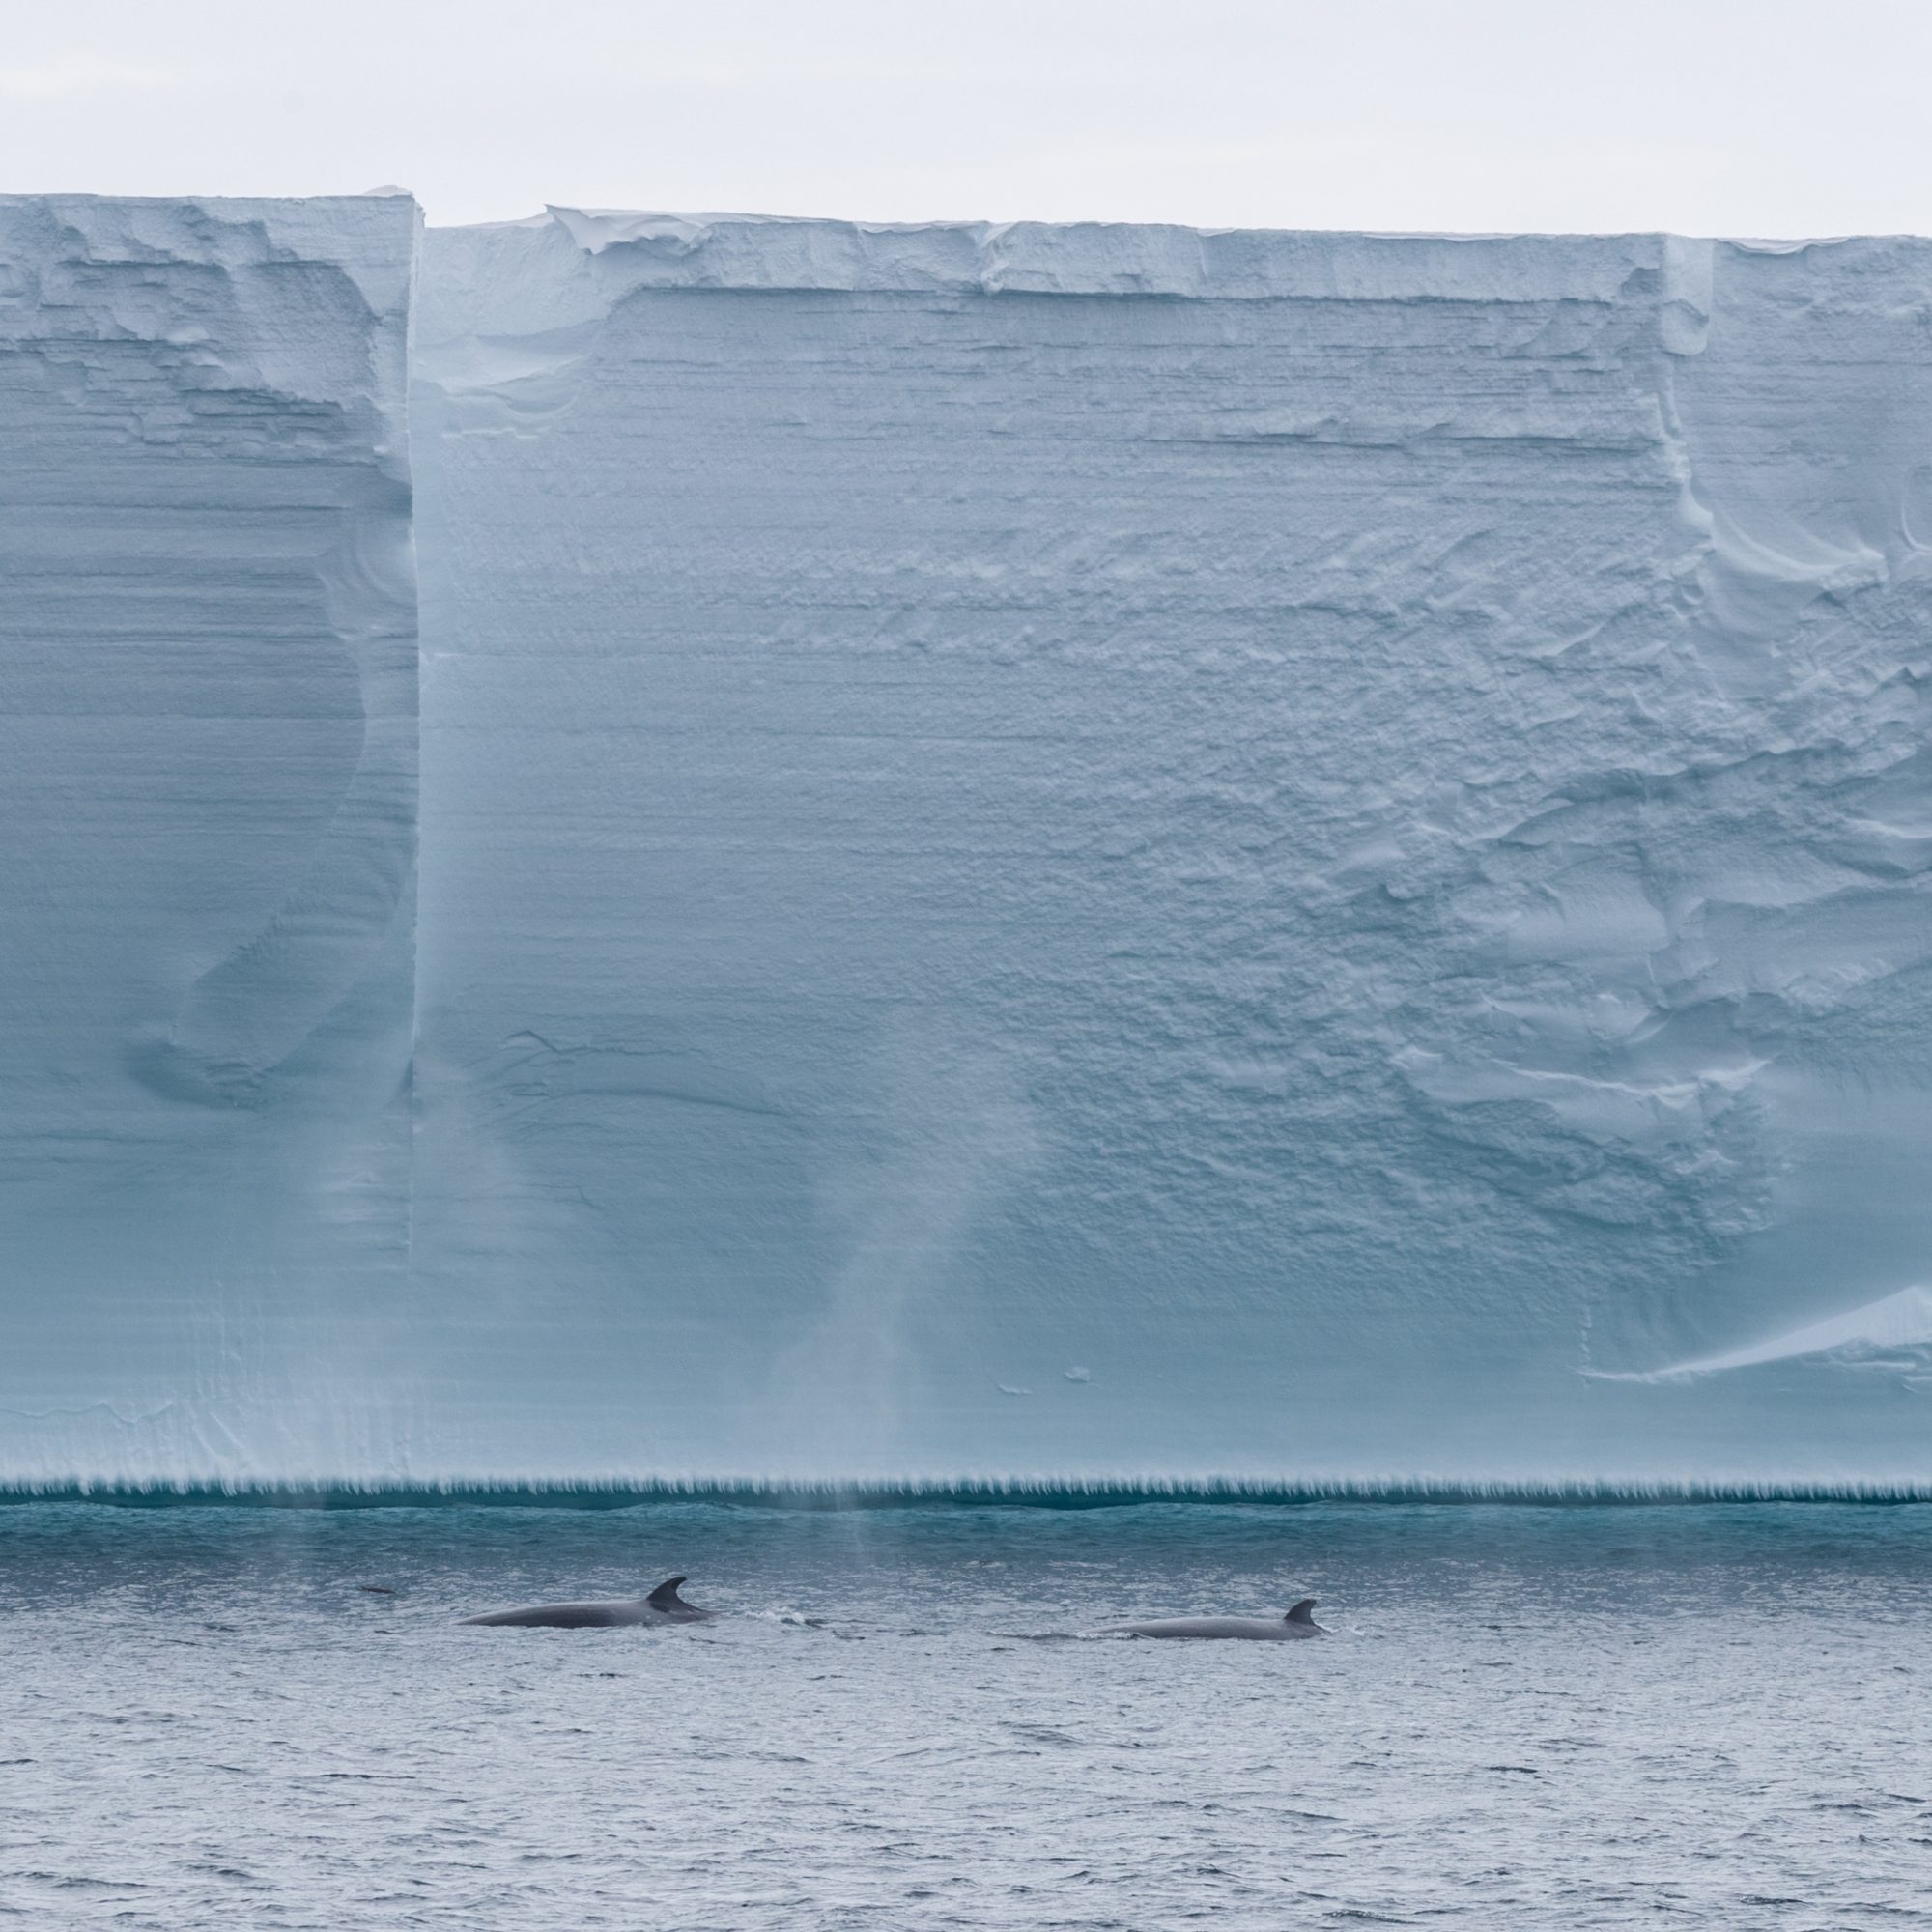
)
(663, 1605)
(1300, 1622)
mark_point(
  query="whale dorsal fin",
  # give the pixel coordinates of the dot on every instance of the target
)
(1303, 1612)
(665, 1598)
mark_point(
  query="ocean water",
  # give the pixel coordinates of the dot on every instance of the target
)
(1697, 1714)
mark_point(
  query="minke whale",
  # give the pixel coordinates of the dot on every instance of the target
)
(1298, 1622)
(663, 1605)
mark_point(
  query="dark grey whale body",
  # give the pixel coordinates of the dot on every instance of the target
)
(1300, 1622)
(663, 1605)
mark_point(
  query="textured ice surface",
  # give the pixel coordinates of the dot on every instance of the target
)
(1326, 831)
(1045, 851)
(207, 658)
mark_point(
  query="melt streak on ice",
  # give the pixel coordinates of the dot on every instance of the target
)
(1045, 853)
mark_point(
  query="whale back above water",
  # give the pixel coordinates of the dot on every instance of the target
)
(1300, 1622)
(663, 1605)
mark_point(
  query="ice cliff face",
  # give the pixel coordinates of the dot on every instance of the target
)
(1045, 851)
(208, 654)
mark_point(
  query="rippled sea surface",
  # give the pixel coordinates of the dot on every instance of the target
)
(1523, 1716)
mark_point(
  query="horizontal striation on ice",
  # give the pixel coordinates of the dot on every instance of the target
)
(208, 654)
(1332, 828)
(1329, 826)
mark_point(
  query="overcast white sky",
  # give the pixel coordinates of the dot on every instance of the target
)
(1760, 116)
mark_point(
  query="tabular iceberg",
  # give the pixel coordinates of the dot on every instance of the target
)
(1045, 852)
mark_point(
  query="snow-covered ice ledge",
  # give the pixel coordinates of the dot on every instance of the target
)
(742, 251)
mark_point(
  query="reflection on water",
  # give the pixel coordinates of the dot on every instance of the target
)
(1525, 1717)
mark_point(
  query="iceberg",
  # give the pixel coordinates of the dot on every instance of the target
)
(1048, 855)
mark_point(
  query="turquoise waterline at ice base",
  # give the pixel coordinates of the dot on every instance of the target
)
(1041, 854)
